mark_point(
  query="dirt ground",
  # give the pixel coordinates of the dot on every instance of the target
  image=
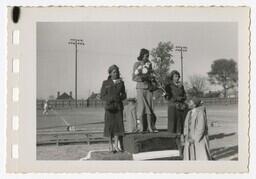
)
(223, 127)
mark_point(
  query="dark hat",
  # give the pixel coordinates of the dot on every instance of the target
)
(112, 67)
(197, 101)
(143, 51)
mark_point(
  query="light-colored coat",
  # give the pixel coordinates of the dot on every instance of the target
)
(196, 128)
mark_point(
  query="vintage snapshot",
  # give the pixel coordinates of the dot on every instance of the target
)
(128, 89)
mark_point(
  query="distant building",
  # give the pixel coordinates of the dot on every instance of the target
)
(64, 95)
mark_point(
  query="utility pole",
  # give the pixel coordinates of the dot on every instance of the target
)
(76, 42)
(181, 49)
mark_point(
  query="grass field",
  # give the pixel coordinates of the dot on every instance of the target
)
(222, 122)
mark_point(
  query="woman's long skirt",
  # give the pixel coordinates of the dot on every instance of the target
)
(176, 119)
(114, 125)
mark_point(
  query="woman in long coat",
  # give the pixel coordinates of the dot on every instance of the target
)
(196, 133)
(113, 93)
(177, 108)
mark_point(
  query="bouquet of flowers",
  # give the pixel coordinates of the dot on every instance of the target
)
(147, 74)
(144, 70)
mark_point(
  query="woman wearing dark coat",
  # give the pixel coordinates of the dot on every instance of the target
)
(177, 108)
(113, 93)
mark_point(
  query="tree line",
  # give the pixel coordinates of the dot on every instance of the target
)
(223, 72)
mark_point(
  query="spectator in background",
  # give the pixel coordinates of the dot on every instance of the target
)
(113, 93)
(45, 111)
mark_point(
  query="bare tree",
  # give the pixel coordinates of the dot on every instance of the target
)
(197, 85)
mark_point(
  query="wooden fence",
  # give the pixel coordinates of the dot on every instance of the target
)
(207, 101)
(69, 104)
(62, 137)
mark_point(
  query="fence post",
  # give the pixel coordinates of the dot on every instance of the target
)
(88, 139)
(57, 140)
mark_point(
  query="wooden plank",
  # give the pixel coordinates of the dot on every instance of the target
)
(67, 132)
(62, 141)
(60, 138)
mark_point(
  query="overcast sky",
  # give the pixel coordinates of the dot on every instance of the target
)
(119, 43)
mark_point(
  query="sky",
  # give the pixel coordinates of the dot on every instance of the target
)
(108, 43)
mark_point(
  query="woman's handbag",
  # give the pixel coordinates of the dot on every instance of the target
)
(112, 106)
(181, 106)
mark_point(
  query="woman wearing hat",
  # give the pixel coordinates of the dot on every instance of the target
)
(113, 93)
(196, 132)
(177, 108)
(144, 95)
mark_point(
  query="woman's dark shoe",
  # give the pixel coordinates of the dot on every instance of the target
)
(113, 151)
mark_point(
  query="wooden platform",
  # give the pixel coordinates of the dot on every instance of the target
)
(155, 155)
(148, 142)
(143, 146)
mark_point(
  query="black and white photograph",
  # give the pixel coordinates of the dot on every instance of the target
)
(137, 91)
(159, 89)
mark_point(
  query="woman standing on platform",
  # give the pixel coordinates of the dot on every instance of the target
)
(177, 108)
(113, 93)
(141, 70)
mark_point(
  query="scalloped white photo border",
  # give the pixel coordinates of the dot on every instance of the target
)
(21, 86)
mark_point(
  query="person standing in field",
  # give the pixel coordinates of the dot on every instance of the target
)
(130, 115)
(177, 108)
(45, 111)
(141, 71)
(113, 93)
(196, 132)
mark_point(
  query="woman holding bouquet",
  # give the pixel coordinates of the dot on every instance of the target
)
(177, 108)
(113, 93)
(142, 70)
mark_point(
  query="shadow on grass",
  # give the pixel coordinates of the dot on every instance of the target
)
(223, 152)
(220, 135)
